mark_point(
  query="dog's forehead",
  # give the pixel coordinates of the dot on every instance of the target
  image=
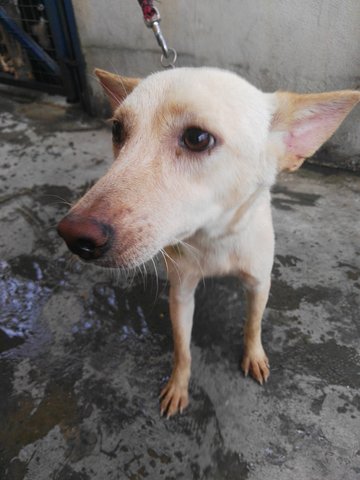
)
(195, 90)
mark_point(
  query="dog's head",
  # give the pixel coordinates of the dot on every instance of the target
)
(190, 145)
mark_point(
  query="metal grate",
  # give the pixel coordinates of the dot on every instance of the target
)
(40, 48)
(28, 19)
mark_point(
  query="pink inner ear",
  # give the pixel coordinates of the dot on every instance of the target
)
(314, 126)
(306, 135)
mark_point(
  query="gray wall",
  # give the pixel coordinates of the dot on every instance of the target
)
(300, 45)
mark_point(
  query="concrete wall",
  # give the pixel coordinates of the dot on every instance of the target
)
(300, 45)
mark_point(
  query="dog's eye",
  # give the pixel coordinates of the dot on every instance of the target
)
(197, 140)
(117, 132)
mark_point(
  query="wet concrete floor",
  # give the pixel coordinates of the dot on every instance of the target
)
(84, 354)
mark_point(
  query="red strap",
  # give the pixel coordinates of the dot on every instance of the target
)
(148, 9)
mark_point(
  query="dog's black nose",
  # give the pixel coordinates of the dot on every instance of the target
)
(86, 237)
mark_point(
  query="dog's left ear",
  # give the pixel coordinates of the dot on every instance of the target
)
(303, 122)
(115, 86)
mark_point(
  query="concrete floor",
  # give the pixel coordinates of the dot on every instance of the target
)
(83, 355)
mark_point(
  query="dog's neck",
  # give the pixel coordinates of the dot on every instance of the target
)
(216, 245)
(233, 221)
(244, 208)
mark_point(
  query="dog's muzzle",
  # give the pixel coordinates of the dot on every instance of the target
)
(86, 237)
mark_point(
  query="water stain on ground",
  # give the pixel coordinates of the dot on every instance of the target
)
(67, 473)
(286, 297)
(332, 363)
(285, 199)
(21, 427)
(288, 260)
(219, 318)
(317, 404)
(352, 271)
(45, 195)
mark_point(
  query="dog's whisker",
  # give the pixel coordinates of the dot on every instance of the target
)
(166, 266)
(167, 269)
(131, 281)
(138, 269)
(139, 272)
(114, 274)
(145, 274)
(182, 242)
(166, 255)
(193, 251)
(157, 279)
(175, 265)
(142, 269)
(62, 200)
(165, 261)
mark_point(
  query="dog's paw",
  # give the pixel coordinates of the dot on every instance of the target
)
(174, 397)
(257, 364)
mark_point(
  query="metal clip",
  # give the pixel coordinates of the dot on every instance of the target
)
(154, 24)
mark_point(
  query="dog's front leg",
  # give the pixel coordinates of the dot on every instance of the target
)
(255, 360)
(175, 395)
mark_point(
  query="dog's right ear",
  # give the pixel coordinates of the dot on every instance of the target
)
(115, 86)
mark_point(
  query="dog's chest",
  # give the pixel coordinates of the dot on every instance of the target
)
(214, 257)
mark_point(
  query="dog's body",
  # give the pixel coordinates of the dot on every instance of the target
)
(196, 153)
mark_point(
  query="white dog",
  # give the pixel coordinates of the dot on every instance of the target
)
(196, 153)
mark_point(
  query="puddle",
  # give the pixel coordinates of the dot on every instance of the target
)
(19, 305)
(26, 282)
